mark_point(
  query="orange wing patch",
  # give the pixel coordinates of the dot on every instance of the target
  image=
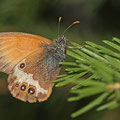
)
(16, 46)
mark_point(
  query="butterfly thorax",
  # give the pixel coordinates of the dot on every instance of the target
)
(60, 48)
(55, 53)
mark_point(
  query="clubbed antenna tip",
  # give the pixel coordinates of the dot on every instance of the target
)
(60, 19)
(75, 22)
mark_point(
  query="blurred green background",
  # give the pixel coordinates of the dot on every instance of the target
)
(100, 19)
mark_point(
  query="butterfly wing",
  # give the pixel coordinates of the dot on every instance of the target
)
(16, 46)
(31, 62)
(30, 78)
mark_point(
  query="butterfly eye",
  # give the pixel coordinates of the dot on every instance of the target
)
(22, 65)
(23, 87)
(31, 90)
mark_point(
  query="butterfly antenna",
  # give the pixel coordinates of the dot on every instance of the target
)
(75, 22)
(59, 25)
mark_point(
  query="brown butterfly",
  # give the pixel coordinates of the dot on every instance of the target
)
(32, 62)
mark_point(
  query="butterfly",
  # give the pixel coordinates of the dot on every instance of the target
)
(31, 61)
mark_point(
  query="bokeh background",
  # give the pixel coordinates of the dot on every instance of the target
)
(100, 19)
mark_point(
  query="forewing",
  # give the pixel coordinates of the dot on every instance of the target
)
(16, 46)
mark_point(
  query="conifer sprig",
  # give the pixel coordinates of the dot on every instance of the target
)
(95, 71)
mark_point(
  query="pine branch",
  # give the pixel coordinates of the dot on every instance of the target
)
(101, 68)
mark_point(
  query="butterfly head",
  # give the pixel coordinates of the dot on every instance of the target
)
(60, 42)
